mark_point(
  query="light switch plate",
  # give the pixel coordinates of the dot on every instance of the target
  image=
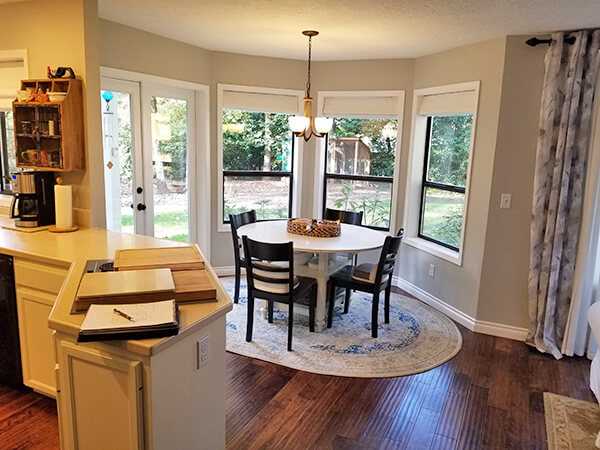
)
(505, 201)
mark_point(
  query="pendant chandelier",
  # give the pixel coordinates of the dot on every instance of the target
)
(306, 126)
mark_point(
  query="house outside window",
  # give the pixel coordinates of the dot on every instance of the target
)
(359, 168)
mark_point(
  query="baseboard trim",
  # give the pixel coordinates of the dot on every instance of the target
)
(225, 271)
(477, 326)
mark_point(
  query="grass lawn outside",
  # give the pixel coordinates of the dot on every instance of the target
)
(443, 217)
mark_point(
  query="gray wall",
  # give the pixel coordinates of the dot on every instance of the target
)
(510, 75)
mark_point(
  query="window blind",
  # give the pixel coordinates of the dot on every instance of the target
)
(451, 103)
(13, 69)
(362, 106)
(258, 101)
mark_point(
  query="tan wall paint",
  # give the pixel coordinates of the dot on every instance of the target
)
(503, 291)
(459, 285)
(127, 48)
(68, 42)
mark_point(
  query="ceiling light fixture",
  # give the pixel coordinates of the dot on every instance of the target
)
(306, 126)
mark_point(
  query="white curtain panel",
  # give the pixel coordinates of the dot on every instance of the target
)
(587, 266)
(561, 155)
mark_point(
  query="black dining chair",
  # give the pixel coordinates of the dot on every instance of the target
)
(368, 277)
(270, 275)
(236, 221)
(349, 217)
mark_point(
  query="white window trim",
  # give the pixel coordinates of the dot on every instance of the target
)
(298, 147)
(200, 193)
(415, 174)
(320, 148)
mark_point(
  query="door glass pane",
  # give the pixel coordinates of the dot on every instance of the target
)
(169, 168)
(374, 198)
(443, 216)
(269, 196)
(362, 147)
(449, 149)
(118, 160)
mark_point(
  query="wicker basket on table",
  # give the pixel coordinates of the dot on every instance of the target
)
(314, 227)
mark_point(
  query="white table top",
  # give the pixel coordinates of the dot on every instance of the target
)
(353, 239)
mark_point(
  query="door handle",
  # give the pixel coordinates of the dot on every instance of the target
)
(141, 207)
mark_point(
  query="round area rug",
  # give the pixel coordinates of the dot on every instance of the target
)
(418, 338)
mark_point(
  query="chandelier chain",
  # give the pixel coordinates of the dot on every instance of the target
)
(309, 59)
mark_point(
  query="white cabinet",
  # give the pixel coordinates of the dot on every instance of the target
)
(37, 352)
(100, 400)
(37, 286)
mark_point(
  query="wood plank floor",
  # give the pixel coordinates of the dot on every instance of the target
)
(488, 396)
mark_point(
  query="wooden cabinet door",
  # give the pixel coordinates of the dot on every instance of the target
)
(101, 399)
(37, 352)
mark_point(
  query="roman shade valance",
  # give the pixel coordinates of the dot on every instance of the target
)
(13, 68)
(260, 101)
(463, 102)
(362, 106)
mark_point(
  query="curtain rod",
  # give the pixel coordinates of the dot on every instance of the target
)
(537, 41)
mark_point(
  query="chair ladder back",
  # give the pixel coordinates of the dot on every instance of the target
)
(236, 221)
(387, 260)
(260, 257)
(349, 217)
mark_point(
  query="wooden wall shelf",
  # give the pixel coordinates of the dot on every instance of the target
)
(39, 148)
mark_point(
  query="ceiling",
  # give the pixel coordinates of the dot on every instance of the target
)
(350, 29)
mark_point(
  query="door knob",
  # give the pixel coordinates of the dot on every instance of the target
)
(139, 190)
(141, 207)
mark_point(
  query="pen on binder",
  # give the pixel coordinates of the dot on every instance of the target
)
(122, 314)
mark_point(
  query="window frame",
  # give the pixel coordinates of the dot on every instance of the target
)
(417, 164)
(338, 176)
(295, 174)
(425, 183)
(4, 157)
(320, 190)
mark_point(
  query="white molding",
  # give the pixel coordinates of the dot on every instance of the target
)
(415, 166)
(226, 271)
(500, 330)
(320, 148)
(298, 148)
(434, 249)
(449, 310)
(477, 326)
(127, 75)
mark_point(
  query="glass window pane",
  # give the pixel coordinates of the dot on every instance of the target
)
(362, 147)
(449, 146)
(169, 167)
(118, 161)
(7, 145)
(269, 196)
(256, 141)
(373, 198)
(443, 216)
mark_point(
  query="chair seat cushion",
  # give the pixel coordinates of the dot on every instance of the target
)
(366, 272)
(275, 288)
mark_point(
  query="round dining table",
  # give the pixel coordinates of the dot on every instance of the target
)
(353, 239)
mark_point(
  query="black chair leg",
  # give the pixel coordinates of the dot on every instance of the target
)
(331, 300)
(347, 301)
(311, 310)
(290, 325)
(374, 314)
(270, 311)
(236, 295)
(250, 321)
(388, 291)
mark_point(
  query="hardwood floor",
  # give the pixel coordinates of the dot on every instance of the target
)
(488, 396)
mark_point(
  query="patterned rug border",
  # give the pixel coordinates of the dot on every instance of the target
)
(557, 436)
(392, 374)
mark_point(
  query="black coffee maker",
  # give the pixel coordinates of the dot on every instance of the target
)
(34, 199)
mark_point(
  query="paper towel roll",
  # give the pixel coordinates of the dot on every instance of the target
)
(63, 205)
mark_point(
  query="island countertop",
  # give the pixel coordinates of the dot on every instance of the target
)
(72, 250)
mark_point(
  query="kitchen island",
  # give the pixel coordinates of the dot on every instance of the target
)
(152, 393)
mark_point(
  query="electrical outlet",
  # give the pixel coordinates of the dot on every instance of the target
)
(505, 201)
(431, 270)
(203, 350)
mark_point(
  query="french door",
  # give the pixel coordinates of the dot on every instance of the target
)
(149, 135)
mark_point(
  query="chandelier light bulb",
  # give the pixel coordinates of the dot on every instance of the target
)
(298, 123)
(323, 124)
